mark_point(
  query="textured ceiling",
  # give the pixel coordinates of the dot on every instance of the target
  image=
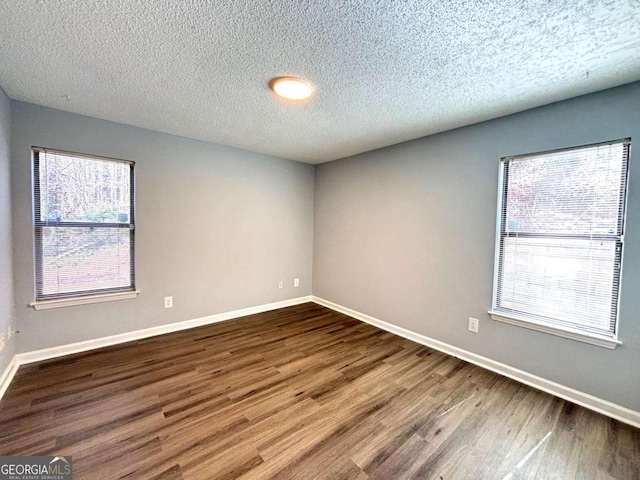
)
(385, 71)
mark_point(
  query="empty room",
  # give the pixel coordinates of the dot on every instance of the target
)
(320, 240)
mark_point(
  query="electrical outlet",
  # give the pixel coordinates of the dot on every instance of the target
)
(1, 341)
(473, 324)
(296, 282)
(168, 302)
(280, 284)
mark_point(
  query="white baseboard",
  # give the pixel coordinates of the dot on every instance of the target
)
(7, 375)
(54, 352)
(599, 405)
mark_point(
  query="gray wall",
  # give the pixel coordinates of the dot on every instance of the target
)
(407, 234)
(217, 227)
(6, 269)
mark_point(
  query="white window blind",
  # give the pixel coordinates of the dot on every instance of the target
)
(560, 239)
(83, 224)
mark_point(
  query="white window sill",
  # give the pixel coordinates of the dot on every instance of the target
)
(72, 301)
(593, 339)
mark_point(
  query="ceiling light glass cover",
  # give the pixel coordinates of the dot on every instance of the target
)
(291, 88)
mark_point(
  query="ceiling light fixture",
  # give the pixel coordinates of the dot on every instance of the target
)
(291, 88)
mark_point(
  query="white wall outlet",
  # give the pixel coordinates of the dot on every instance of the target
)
(1, 341)
(168, 302)
(296, 282)
(280, 284)
(473, 324)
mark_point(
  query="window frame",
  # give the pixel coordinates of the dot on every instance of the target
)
(529, 320)
(47, 301)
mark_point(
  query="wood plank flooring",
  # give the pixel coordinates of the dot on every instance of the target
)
(301, 392)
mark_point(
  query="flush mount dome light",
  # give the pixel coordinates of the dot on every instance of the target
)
(291, 88)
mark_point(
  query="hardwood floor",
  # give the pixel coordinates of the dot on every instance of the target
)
(301, 392)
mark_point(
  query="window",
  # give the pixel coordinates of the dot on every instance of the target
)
(559, 245)
(83, 228)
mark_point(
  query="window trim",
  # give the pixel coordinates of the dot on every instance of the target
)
(82, 297)
(591, 338)
(538, 324)
(83, 300)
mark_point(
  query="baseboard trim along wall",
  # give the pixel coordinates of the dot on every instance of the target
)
(62, 350)
(7, 375)
(599, 405)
